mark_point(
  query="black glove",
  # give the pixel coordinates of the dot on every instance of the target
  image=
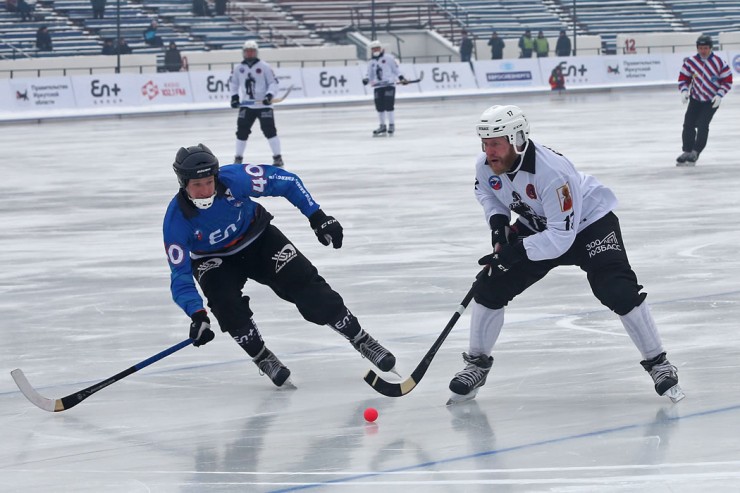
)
(402, 80)
(268, 99)
(499, 230)
(503, 258)
(365, 81)
(327, 229)
(235, 101)
(200, 328)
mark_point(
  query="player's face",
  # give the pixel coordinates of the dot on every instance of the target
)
(250, 53)
(201, 188)
(704, 51)
(499, 153)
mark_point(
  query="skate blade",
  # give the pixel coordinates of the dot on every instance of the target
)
(675, 393)
(686, 165)
(395, 372)
(287, 385)
(457, 398)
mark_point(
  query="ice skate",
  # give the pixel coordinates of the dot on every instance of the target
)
(271, 366)
(371, 349)
(465, 384)
(380, 131)
(665, 377)
(391, 129)
(238, 159)
(692, 158)
(681, 160)
(277, 160)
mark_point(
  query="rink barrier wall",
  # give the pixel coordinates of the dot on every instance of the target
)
(106, 95)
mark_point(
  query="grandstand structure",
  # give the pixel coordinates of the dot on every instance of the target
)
(306, 23)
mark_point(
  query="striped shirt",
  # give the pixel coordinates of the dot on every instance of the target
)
(705, 78)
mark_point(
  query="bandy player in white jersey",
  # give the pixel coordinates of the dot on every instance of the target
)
(253, 85)
(383, 71)
(564, 218)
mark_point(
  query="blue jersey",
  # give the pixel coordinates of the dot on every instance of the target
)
(229, 225)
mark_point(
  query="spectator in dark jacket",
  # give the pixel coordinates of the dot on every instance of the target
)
(172, 58)
(98, 8)
(122, 47)
(562, 47)
(43, 39)
(466, 47)
(220, 7)
(108, 47)
(26, 8)
(200, 7)
(497, 46)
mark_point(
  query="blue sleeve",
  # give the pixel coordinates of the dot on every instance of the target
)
(177, 246)
(270, 181)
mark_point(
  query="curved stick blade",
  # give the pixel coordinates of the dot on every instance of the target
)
(27, 389)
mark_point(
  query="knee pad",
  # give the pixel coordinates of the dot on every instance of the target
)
(242, 133)
(619, 294)
(232, 314)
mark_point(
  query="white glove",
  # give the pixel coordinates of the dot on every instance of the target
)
(684, 97)
(715, 101)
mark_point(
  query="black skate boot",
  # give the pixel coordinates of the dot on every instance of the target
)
(371, 349)
(466, 382)
(380, 131)
(692, 158)
(271, 366)
(665, 377)
(277, 160)
(681, 160)
(238, 159)
(391, 129)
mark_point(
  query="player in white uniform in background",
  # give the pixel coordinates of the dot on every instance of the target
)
(565, 218)
(253, 85)
(383, 71)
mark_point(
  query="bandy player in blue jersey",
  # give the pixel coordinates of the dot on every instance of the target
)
(215, 234)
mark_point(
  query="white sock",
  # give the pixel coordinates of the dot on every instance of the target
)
(640, 326)
(240, 146)
(381, 117)
(391, 117)
(485, 327)
(274, 145)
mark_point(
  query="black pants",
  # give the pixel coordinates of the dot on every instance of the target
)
(696, 125)
(274, 261)
(385, 98)
(246, 119)
(598, 250)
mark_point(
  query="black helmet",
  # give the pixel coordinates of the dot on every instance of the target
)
(194, 162)
(704, 40)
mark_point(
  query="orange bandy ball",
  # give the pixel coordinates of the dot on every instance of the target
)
(371, 414)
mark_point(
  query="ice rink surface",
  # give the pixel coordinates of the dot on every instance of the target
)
(567, 408)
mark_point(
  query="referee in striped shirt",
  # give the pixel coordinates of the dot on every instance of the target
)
(703, 81)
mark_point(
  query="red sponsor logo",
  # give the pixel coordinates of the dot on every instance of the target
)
(530, 192)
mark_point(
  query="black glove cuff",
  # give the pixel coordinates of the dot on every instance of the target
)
(200, 316)
(498, 221)
(316, 219)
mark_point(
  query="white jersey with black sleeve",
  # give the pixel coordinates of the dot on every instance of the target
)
(549, 195)
(252, 80)
(383, 70)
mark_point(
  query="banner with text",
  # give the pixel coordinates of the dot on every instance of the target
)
(333, 81)
(493, 74)
(42, 94)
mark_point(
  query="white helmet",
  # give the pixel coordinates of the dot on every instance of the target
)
(375, 44)
(250, 45)
(505, 121)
